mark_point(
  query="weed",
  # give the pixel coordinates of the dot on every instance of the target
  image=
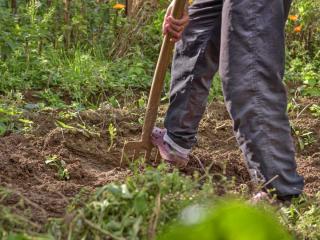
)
(305, 138)
(293, 106)
(131, 210)
(11, 120)
(66, 115)
(216, 89)
(315, 109)
(52, 99)
(65, 126)
(59, 165)
(81, 128)
(5, 123)
(302, 217)
(27, 124)
(87, 130)
(142, 101)
(112, 134)
(114, 102)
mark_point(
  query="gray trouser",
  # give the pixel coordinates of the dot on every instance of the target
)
(244, 39)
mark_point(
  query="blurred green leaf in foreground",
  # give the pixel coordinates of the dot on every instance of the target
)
(226, 221)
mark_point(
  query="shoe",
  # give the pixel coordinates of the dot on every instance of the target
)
(168, 153)
(265, 197)
(260, 197)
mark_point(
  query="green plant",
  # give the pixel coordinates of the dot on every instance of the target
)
(27, 124)
(114, 102)
(216, 89)
(52, 99)
(315, 109)
(139, 207)
(5, 116)
(11, 119)
(303, 48)
(112, 134)
(305, 138)
(59, 165)
(81, 128)
(302, 217)
(142, 101)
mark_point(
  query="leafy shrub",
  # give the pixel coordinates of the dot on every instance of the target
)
(139, 207)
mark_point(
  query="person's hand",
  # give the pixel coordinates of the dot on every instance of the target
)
(174, 26)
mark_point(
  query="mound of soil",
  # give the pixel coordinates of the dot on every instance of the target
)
(85, 148)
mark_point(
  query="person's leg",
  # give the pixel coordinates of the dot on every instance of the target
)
(195, 62)
(252, 68)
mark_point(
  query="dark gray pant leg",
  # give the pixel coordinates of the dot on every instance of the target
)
(195, 62)
(252, 67)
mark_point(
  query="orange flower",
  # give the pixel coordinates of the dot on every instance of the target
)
(297, 29)
(293, 17)
(119, 6)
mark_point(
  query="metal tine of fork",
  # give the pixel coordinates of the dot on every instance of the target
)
(135, 154)
(158, 157)
(147, 155)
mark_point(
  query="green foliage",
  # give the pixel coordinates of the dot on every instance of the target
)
(303, 64)
(23, 236)
(37, 25)
(112, 134)
(308, 39)
(59, 165)
(216, 89)
(142, 101)
(85, 58)
(228, 221)
(6, 118)
(305, 138)
(315, 109)
(305, 71)
(52, 99)
(12, 120)
(79, 128)
(140, 206)
(302, 217)
(97, 51)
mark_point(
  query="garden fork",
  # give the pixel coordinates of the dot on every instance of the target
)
(145, 145)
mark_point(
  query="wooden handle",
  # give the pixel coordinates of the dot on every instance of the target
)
(159, 75)
(178, 8)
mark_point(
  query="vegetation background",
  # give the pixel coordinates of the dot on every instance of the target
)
(82, 54)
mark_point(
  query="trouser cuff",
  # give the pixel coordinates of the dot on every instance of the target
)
(180, 149)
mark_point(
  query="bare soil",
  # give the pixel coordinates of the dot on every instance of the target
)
(90, 163)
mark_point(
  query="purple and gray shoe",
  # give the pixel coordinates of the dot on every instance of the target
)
(168, 153)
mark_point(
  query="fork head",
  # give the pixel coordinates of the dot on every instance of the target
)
(135, 149)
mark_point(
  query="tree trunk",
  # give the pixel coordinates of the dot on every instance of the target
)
(67, 34)
(14, 6)
(128, 7)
